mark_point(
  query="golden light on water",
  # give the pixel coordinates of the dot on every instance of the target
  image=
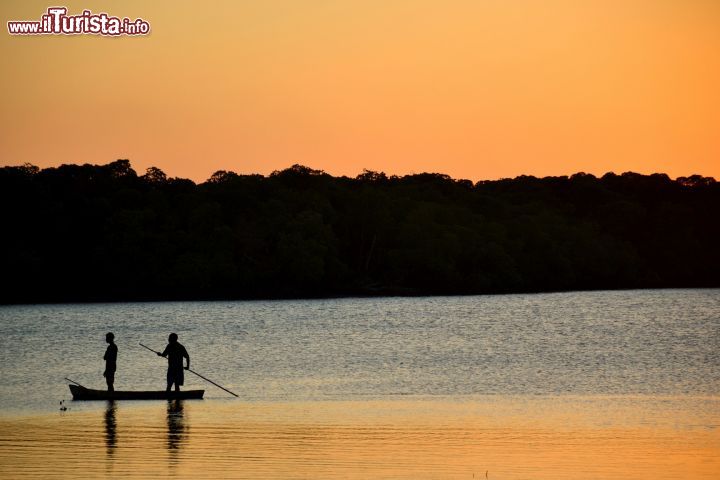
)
(507, 437)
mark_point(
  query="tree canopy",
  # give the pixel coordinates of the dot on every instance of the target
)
(105, 233)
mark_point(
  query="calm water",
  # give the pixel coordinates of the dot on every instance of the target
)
(570, 385)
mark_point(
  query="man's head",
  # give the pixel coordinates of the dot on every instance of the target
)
(109, 337)
(172, 338)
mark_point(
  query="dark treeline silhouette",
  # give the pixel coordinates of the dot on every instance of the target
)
(104, 233)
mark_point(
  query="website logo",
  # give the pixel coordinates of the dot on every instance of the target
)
(56, 21)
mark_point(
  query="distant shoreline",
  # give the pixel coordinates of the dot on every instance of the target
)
(352, 297)
(103, 233)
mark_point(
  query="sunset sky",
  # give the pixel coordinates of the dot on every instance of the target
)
(477, 89)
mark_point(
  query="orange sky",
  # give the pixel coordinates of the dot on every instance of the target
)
(477, 89)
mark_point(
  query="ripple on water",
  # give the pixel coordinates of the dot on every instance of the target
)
(512, 437)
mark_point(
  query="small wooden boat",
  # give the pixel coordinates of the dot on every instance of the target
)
(82, 393)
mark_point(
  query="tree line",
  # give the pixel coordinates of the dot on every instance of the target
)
(105, 233)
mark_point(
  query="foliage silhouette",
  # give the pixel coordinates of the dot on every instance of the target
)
(103, 233)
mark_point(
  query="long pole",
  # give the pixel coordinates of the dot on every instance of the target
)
(191, 371)
(208, 380)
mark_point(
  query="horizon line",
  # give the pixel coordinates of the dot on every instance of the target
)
(312, 171)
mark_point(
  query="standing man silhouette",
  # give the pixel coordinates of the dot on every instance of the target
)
(175, 353)
(110, 358)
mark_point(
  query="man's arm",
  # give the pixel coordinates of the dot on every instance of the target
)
(187, 356)
(164, 353)
(105, 357)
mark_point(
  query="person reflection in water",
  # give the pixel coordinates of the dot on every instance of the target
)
(176, 425)
(110, 362)
(175, 353)
(110, 427)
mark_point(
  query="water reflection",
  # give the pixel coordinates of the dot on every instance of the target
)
(110, 428)
(176, 428)
(513, 438)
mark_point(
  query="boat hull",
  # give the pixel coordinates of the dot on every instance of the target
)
(82, 393)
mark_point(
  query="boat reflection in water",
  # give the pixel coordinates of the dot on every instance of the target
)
(176, 428)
